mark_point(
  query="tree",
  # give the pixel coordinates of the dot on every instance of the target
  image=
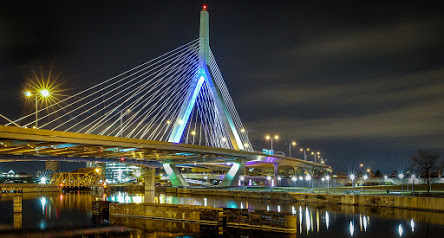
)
(378, 174)
(426, 162)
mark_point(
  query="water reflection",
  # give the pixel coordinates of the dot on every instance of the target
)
(352, 228)
(48, 211)
(327, 219)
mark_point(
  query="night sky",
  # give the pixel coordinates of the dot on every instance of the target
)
(359, 82)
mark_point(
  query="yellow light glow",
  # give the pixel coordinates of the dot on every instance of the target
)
(267, 137)
(301, 149)
(361, 165)
(312, 153)
(368, 170)
(276, 137)
(246, 145)
(193, 133)
(43, 86)
(97, 170)
(168, 122)
(308, 149)
(293, 143)
(45, 93)
(319, 153)
(242, 130)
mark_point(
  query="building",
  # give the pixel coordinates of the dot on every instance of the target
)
(115, 172)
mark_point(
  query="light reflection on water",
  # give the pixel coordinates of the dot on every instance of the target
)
(47, 211)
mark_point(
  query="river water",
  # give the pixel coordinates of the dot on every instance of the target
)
(70, 215)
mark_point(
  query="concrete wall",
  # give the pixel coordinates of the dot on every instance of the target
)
(28, 188)
(421, 203)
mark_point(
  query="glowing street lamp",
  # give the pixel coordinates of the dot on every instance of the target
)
(243, 130)
(293, 143)
(308, 178)
(317, 155)
(401, 177)
(304, 150)
(271, 138)
(43, 93)
(352, 178)
(365, 177)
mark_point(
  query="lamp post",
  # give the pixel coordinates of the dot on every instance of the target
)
(365, 177)
(352, 178)
(401, 177)
(243, 130)
(304, 150)
(413, 181)
(42, 93)
(294, 179)
(328, 182)
(308, 178)
(293, 143)
(193, 133)
(268, 137)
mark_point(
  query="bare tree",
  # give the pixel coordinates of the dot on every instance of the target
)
(426, 162)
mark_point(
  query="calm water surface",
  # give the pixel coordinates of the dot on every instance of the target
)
(62, 215)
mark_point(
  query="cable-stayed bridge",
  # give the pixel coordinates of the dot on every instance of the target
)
(174, 109)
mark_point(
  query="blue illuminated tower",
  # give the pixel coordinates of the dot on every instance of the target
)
(205, 76)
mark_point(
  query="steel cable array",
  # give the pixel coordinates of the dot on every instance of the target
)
(144, 102)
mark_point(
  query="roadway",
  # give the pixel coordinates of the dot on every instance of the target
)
(26, 144)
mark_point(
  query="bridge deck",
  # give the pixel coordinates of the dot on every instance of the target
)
(53, 145)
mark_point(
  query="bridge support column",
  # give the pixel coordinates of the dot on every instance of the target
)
(233, 175)
(175, 176)
(276, 175)
(149, 176)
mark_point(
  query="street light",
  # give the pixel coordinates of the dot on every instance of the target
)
(352, 177)
(304, 150)
(365, 177)
(328, 182)
(308, 178)
(43, 94)
(293, 143)
(401, 176)
(268, 137)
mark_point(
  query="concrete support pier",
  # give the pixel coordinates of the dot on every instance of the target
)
(233, 175)
(149, 176)
(176, 178)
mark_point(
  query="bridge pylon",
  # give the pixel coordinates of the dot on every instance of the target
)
(205, 76)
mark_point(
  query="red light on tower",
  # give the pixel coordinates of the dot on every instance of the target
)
(204, 7)
(122, 159)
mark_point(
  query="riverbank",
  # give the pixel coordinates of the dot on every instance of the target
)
(406, 202)
(27, 188)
